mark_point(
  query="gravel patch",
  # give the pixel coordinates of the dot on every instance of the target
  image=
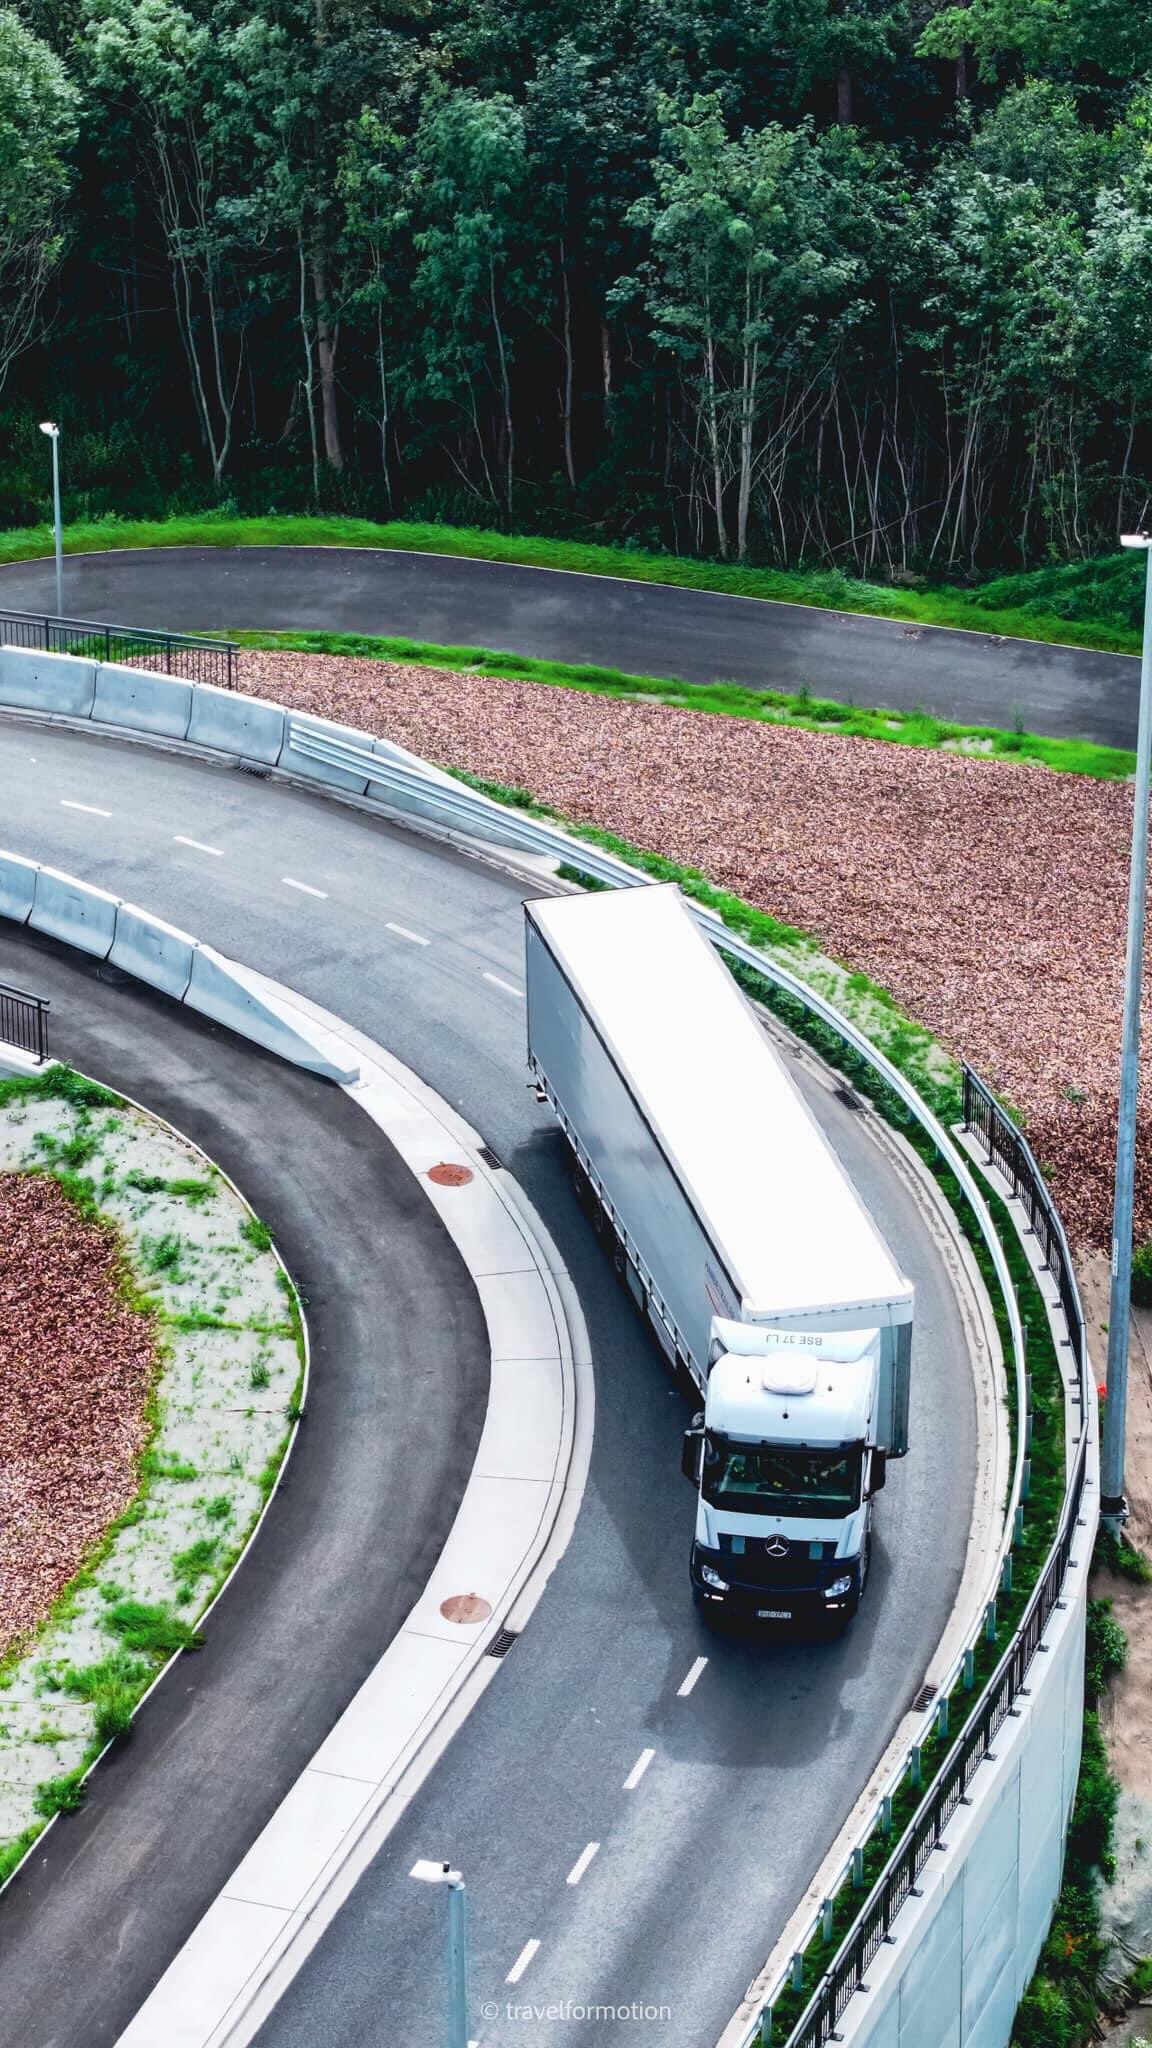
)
(148, 1365)
(988, 896)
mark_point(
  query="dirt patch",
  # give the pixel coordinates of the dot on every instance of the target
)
(988, 896)
(76, 1364)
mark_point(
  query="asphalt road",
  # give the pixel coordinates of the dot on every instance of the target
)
(399, 1379)
(753, 1771)
(646, 628)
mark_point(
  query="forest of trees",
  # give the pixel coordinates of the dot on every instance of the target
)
(863, 282)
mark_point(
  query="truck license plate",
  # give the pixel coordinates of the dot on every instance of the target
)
(773, 1614)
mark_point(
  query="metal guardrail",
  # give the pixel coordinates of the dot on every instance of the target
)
(24, 1020)
(413, 786)
(197, 658)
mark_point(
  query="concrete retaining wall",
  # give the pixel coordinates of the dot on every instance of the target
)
(966, 1948)
(47, 682)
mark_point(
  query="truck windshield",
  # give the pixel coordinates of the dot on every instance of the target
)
(769, 1479)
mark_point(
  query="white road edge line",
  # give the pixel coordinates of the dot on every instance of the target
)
(505, 985)
(582, 1862)
(522, 1961)
(93, 810)
(221, 1986)
(198, 845)
(402, 932)
(682, 1691)
(305, 888)
(638, 1769)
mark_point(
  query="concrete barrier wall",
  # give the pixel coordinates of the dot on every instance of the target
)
(162, 956)
(47, 682)
(142, 702)
(152, 951)
(296, 763)
(235, 724)
(17, 886)
(70, 910)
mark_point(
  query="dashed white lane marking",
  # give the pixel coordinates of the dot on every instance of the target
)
(682, 1691)
(305, 888)
(198, 845)
(638, 1769)
(582, 1862)
(402, 932)
(522, 1961)
(505, 985)
(93, 810)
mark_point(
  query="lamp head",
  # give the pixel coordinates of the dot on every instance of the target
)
(50, 428)
(435, 1873)
(1136, 540)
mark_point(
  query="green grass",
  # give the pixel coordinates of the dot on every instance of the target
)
(731, 700)
(1087, 604)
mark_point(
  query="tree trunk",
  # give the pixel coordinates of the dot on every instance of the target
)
(844, 97)
(569, 378)
(326, 359)
(962, 75)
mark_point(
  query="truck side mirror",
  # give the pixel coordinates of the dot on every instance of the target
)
(879, 1470)
(690, 1454)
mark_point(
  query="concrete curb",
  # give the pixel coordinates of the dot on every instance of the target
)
(514, 1523)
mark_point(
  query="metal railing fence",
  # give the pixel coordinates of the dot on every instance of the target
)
(1008, 1150)
(195, 657)
(24, 1020)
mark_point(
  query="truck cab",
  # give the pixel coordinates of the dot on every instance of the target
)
(786, 1461)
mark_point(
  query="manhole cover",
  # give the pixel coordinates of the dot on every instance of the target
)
(466, 1607)
(447, 1175)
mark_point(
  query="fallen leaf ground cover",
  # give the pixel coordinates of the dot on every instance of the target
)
(988, 896)
(76, 1365)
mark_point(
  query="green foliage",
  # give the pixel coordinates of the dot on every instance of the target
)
(1117, 1554)
(150, 1629)
(1106, 1651)
(1142, 1276)
(61, 1795)
(256, 1234)
(162, 1254)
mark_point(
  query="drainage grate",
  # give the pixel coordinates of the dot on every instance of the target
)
(490, 1159)
(502, 1642)
(255, 768)
(849, 1099)
(923, 1699)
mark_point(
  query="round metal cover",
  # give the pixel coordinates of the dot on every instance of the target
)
(466, 1607)
(449, 1175)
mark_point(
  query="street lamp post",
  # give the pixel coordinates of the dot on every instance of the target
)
(443, 1873)
(50, 428)
(1113, 1506)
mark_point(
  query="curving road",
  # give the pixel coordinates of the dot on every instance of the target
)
(754, 1768)
(366, 1503)
(699, 636)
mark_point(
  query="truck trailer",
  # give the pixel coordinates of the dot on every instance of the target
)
(741, 1238)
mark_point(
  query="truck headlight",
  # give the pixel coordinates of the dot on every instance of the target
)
(712, 1578)
(838, 1587)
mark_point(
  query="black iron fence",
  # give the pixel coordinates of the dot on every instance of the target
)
(198, 658)
(24, 1020)
(1010, 1152)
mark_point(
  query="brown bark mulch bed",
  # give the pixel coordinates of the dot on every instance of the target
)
(76, 1364)
(988, 896)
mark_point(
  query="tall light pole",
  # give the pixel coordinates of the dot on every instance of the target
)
(1113, 1506)
(443, 1873)
(50, 428)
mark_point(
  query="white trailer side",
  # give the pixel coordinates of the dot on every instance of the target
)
(723, 1190)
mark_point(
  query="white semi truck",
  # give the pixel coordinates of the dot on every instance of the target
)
(741, 1238)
